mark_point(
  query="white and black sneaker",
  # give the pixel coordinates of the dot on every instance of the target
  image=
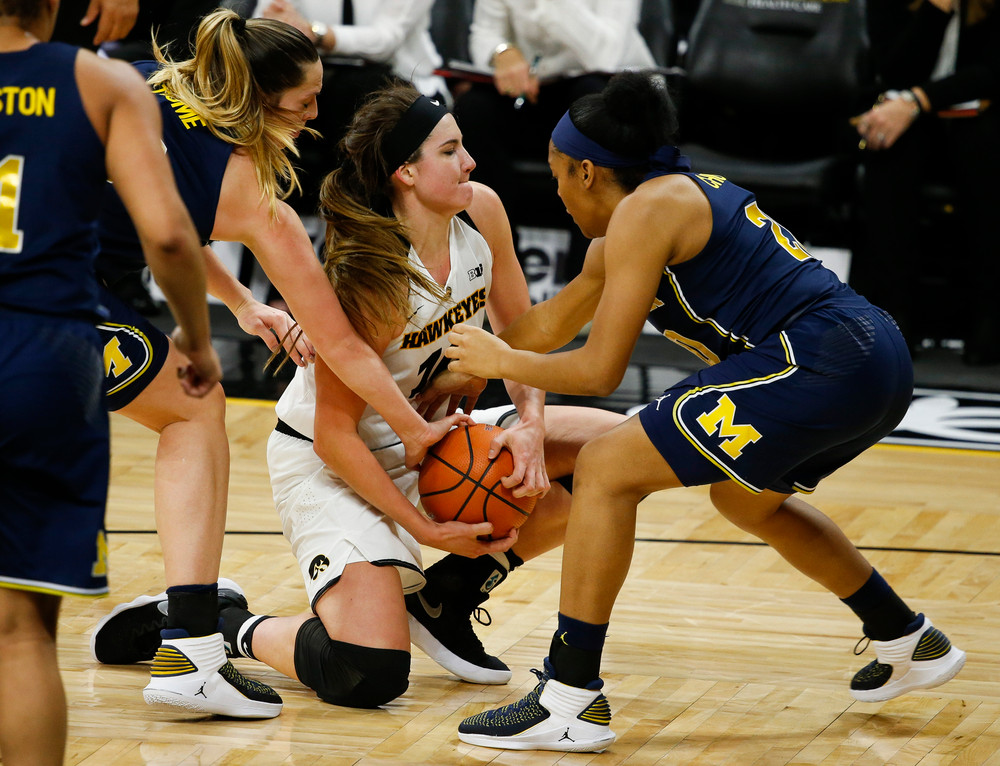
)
(921, 660)
(552, 716)
(444, 632)
(130, 633)
(194, 674)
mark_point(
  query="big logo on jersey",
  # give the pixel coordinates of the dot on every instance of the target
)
(721, 419)
(460, 312)
(127, 355)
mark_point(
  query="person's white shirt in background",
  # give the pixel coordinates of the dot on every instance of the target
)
(564, 38)
(395, 32)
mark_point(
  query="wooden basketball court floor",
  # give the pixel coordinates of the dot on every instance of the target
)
(718, 653)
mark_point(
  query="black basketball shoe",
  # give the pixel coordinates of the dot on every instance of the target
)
(444, 632)
(131, 632)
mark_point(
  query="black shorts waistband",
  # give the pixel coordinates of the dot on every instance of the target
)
(283, 428)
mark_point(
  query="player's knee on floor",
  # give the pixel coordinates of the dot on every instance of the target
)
(348, 674)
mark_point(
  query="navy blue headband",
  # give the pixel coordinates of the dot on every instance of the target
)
(568, 139)
(412, 129)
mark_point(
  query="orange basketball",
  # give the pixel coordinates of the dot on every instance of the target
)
(458, 482)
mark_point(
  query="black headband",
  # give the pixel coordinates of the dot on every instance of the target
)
(412, 129)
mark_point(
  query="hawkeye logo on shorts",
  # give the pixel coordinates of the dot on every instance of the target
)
(721, 420)
(127, 354)
(317, 566)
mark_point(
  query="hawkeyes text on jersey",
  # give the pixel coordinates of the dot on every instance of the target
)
(458, 313)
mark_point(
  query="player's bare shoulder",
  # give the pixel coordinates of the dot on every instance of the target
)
(676, 190)
(488, 213)
(672, 211)
(485, 203)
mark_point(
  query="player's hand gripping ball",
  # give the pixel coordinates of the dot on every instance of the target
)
(459, 482)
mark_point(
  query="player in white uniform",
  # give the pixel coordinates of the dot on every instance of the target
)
(344, 494)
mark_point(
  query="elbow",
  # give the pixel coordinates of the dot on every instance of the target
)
(603, 388)
(602, 382)
(170, 249)
(350, 348)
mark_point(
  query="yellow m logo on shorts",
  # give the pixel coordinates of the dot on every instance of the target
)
(721, 420)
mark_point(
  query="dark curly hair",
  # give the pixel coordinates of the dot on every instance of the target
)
(633, 115)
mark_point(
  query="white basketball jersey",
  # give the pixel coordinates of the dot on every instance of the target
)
(415, 356)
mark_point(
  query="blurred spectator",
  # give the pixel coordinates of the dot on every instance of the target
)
(363, 44)
(937, 65)
(171, 21)
(123, 27)
(544, 54)
(89, 23)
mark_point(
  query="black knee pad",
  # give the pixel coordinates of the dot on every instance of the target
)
(348, 674)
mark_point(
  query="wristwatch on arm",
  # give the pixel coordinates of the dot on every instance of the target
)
(502, 48)
(319, 30)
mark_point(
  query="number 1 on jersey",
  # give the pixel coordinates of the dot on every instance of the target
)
(11, 172)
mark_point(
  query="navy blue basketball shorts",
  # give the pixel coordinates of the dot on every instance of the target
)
(134, 351)
(790, 411)
(54, 457)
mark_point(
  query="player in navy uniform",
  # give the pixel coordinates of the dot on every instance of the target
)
(804, 375)
(230, 115)
(70, 121)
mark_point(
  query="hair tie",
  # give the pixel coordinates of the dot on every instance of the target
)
(411, 131)
(239, 25)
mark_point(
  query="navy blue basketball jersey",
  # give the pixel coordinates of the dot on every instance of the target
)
(52, 177)
(198, 159)
(751, 280)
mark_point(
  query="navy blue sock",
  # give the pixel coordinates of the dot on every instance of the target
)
(884, 615)
(575, 651)
(194, 608)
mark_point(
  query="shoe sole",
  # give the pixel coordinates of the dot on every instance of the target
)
(161, 698)
(450, 661)
(917, 679)
(134, 603)
(527, 743)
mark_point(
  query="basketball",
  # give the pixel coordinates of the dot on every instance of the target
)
(458, 482)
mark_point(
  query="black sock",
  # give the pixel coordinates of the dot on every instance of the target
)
(194, 608)
(468, 581)
(884, 615)
(575, 651)
(231, 622)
